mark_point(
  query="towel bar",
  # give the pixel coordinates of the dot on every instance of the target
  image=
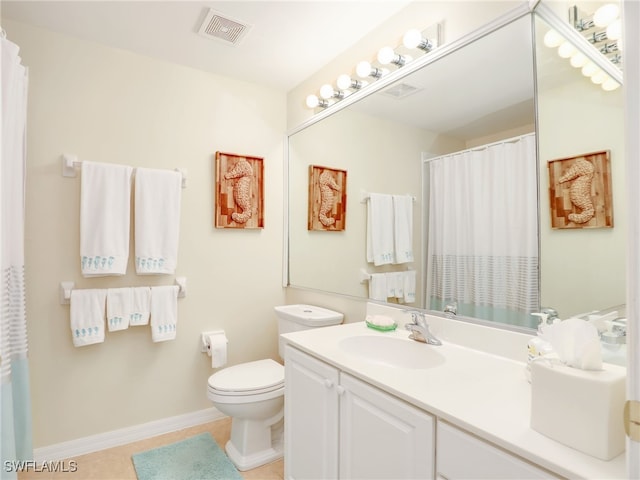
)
(364, 196)
(67, 287)
(70, 163)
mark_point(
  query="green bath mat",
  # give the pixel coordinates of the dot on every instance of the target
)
(196, 458)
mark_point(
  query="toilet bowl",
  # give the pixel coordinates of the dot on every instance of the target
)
(252, 393)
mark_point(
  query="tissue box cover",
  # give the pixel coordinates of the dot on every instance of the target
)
(582, 409)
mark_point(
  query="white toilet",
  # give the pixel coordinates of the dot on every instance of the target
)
(252, 393)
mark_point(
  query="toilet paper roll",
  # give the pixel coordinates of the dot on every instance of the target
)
(218, 350)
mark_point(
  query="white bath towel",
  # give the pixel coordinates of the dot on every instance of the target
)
(105, 211)
(396, 280)
(157, 220)
(164, 312)
(409, 286)
(403, 228)
(380, 229)
(87, 316)
(141, 306)
(378, 287)
(119, 306)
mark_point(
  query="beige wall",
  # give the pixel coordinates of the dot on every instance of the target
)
(109, 105)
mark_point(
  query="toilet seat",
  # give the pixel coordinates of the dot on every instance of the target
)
(247, 382)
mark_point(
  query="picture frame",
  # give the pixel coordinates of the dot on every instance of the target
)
(327, 199)
(580, 191)
(239, 191)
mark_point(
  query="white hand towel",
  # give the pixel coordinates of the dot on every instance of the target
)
(398, 281)
(409, 286)
(141, 306)
(87, 316)
(119, 305)
(164, 313)
(105, 209)
(380, 229)
(392, 284)
(403, 228)
(378, 287)
(157, 220)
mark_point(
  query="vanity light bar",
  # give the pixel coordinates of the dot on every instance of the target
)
(425, 41)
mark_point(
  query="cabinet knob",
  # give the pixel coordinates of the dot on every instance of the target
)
(340, 389)
(328, 383)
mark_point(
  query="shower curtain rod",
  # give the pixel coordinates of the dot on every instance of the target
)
(483, 147)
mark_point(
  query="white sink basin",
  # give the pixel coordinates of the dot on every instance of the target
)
(392, 351)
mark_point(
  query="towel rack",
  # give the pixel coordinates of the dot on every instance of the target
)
(70, 163)
(366, 276)
(67, 287)
(364, 196)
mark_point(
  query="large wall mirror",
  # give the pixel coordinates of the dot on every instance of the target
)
(480, 94)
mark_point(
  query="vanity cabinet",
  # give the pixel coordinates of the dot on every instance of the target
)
(337, 426)
(461, 455)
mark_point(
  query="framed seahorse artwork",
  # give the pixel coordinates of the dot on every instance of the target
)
(239, 191)
(580, 192)
(327, 199)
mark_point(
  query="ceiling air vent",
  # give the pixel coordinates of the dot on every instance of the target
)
(222, 28)
(400, 90)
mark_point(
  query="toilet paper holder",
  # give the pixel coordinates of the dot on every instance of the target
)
(205, 346)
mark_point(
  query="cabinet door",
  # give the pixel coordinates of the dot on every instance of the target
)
(463, 456)
(382, 436)
(310, 417)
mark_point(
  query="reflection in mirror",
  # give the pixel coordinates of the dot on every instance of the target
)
(478, 94)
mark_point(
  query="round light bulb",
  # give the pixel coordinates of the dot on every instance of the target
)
(610, 84)
(589, 69)
(412, 38)
(326, 91)
(614, 30)
(363, 69)
(553, 39)
(386, 55)
(599, 77)
(606, 14)
(343, 82)
(578, 60)
(566, 49)
(312, 101)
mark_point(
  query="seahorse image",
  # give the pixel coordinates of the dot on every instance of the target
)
(581, 172)
(327, 186)
(243, 174)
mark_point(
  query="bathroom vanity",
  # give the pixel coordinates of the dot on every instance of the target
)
(366, 404)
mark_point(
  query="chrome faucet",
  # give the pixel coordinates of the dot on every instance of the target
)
(420, 329)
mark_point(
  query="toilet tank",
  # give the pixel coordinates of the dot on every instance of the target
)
(293, 318)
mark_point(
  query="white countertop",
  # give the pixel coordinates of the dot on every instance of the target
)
(485, 394)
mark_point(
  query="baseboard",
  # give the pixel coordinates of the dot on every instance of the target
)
(115, 438)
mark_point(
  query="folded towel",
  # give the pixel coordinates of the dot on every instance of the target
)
(380, 229)
(164, 312)
(397, 280)
(141, 306)
(87, 316)
(119, 305)
(378, 287)
(409, 286)
(403, 228)
(105, 198)
(157, 220)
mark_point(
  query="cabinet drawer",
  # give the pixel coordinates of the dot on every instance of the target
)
(460, 455)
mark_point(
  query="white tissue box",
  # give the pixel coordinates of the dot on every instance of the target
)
(582, 409)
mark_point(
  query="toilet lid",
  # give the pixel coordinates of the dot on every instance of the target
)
(251, 376)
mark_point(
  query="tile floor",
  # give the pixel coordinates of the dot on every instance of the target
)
(115, 463)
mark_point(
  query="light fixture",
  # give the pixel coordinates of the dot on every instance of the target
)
(414, 39)
(313, 101)
(345, 82)
(578, 60)
(589, 69)
(614, 30)
(599, 77)
(364, 69)
(553, 39)
(609, 85)
(606, 14)
(327, 92)
(566, 49)
(386, 55)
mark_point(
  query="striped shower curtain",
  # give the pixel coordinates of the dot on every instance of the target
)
(15, 404)
(482, 250)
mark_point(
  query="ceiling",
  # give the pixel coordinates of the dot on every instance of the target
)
(287, 41)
